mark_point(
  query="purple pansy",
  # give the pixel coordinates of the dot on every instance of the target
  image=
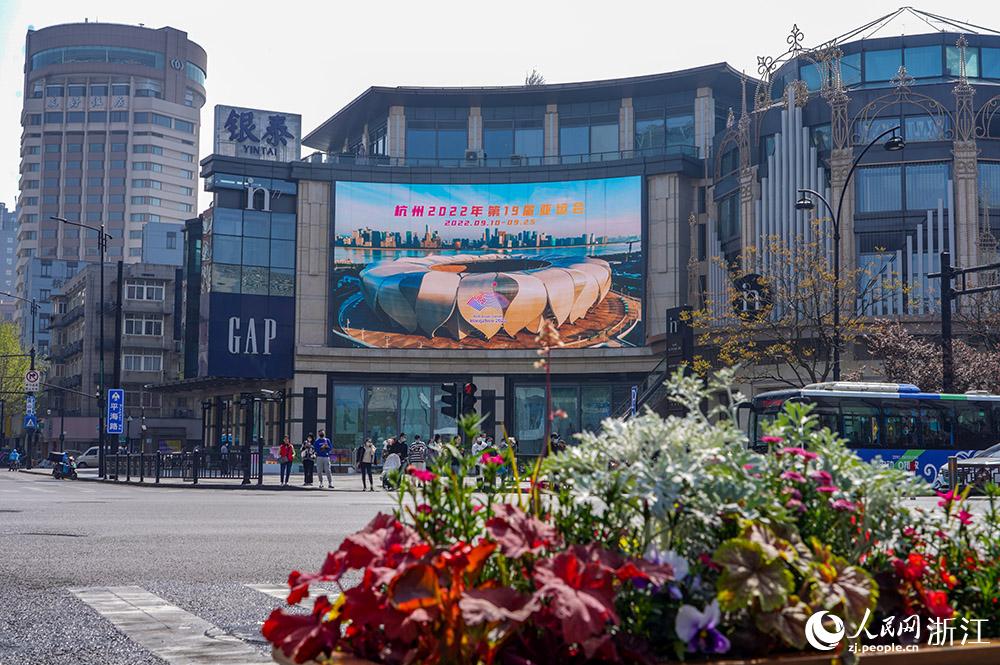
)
(698, 629)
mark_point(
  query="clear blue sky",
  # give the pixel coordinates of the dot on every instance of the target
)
(312, 58)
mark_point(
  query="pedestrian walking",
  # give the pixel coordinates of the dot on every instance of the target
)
(366, 459)
(399, 447)
(417, 457)
(323, 448)
(308, 456)
(387, 448)
(286, 455)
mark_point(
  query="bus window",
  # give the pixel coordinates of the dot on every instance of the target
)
(827, 410)
(935, 425)
(860, 422)
(902, 423)
(972, 422)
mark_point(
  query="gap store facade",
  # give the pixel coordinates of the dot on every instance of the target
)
(435, 228)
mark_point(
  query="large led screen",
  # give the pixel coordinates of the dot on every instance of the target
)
(481, 266)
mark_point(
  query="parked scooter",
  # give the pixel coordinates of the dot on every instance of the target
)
(63, 466)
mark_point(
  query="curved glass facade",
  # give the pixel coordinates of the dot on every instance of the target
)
(195, 73)
(115, 55)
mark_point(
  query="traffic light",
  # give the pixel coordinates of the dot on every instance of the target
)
(451, 400)
(469, 398)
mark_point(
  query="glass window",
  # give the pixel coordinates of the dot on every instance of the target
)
(256, 223)
(867, 131)
(729, 216)
(348, 417)
(441, 421)
(529, 416)
(952, 61)
(283, 226)
(902, 422)
(850, 69)
(989, 183)
(882, 65)
(227, 249)
(97, 116)
(879, 189)
(923, 61)
(810, 74)
(926, 184)
(650, 132)
(227, 221)
(282, 253)
(821, 136)
(595, 404)
(195, 73)
(76, 116)
(991, 63)
(255, 251)
(255, 280)
(225, 278)
(573, 141)
(680, 130)
(383, 408)
(498, 143)
(53, 91)
(282, 282)
(420, 143)
(860, 423)
(452, 143)
(604, 138)
(975, 428)
(529, 141)
(566, 399)
(415, 411)
(53, 116)
(917, 128)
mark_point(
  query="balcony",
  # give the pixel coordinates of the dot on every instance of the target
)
(478, 159)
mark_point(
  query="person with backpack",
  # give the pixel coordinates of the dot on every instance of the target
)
(14, 460)
(286, 455)
(365, 458)
(323, 448)
(308, 456)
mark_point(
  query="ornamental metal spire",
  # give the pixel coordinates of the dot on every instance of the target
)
(965, 116)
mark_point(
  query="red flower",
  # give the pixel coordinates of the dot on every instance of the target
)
(948, 498)
(424, 509)
(827, 489)
(706, 560)
(771, 439)
(800, 452)
(794, 476)
(821, 477)
(842, 505)
(421, 474)
(937, 604)
(912, 569)
(909, 531)
(491, 459)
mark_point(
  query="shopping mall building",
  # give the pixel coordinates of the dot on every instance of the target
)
(434, 229)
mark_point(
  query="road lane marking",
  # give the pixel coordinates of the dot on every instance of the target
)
(280, 591)
(165, 630)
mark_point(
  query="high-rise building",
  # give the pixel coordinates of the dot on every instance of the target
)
(110, 123)
(8, 243)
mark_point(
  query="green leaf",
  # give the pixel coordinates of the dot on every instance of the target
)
(748, 574)
(845, 590)
(788, 623)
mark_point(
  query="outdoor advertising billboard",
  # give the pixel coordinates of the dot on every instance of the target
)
(480, 266)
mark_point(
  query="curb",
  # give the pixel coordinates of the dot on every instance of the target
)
(173, 485)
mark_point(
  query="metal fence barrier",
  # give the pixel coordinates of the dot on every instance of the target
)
(188, 466)
(972, 472)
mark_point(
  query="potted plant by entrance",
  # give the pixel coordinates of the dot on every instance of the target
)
(660, 540)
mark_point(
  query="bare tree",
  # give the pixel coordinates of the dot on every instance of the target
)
(534, 78)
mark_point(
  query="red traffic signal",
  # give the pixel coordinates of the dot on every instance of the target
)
(469, 398)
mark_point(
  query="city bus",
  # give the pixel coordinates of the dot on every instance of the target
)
(906, 428)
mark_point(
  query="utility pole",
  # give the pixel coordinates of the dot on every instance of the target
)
(949, 293)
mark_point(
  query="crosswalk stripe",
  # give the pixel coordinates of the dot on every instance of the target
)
(165, 630)
(280, 591)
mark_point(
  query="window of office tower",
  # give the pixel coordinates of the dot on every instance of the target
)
(513, 130)
(436, 136)
(660, 124)
(588, 131)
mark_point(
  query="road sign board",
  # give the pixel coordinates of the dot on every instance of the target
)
(635, 397)
(30, 421)
(31, 380)
(29, 405)
(116, 411)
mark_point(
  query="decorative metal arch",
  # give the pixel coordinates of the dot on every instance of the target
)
(984, 119)
(902, 94)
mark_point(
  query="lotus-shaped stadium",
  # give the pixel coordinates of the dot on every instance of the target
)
(484, 294)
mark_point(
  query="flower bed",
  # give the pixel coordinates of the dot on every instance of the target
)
(659, 540)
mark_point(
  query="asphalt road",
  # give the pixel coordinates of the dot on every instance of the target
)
(210, 556)
(195, 549)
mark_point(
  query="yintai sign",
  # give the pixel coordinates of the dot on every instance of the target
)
(257, 134)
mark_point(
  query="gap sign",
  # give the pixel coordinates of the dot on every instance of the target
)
(116, 411)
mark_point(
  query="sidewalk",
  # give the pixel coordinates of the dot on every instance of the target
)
(342, 482)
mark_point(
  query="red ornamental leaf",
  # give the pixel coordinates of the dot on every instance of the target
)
(579, 595)
(415, 587)
(495, 606)
(518, 533)
(302, 636)
(382, 538)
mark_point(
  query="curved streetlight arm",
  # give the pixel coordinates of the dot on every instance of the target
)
(822, 198)
(854, 167)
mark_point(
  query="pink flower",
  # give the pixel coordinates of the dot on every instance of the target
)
(748, 467)
(794, 476)
(771, 439)
(421, 474)
(424, 508)
(491, 459)
(827, 489)
(842, 505)
(801, 452)
(822, 477)
(964, 517)
(948, 499)
(795, 504)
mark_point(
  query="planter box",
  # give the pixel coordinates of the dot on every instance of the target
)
(971, 654)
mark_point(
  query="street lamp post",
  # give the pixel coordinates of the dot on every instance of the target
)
(102, 244)
(894, 144)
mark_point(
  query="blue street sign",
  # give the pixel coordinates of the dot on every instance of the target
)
(29, 405)
(116, 411)
(635, 397)
(30, 421)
